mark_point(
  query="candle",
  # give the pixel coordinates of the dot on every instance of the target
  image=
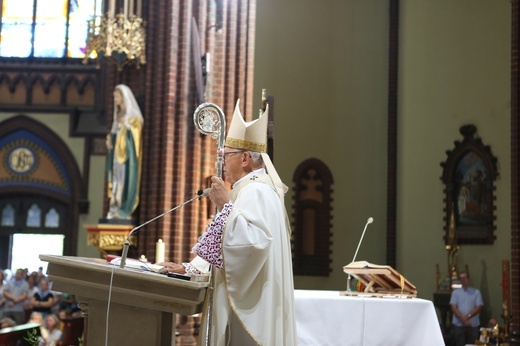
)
(131, 8)
(112, 8)
(139, 8)
(159, 251)
(125, 7)
(505, 283)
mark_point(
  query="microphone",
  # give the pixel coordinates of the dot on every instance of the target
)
(204, 193)
(126, 246)
(369, 221)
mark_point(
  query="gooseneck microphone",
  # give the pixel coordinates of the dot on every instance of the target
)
(369, 221)
(126, 246)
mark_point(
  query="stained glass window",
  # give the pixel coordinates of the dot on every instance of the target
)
(8, 216)
(34, 216)
(52, 219)
(45, 28)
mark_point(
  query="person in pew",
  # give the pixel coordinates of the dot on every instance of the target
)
(43, 299)
(55, 308)
(248, 246)
(16, 292)
(33, 288)
(466, 303)
(38, 275)
(7, 322)
(2, 298)
(51, 332)
(68, 303)
(36, 317)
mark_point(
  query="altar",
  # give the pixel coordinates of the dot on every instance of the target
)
(327, 318)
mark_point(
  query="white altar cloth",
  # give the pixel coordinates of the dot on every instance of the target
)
(326, 318)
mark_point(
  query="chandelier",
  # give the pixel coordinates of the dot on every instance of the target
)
(120, 38)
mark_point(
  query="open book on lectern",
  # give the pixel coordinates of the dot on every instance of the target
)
(137, 264)
(379, 280)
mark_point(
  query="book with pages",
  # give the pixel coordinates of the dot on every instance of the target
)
(379, 280)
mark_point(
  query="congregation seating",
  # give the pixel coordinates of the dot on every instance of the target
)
(72, 331)
(14, 336)
(65, 314)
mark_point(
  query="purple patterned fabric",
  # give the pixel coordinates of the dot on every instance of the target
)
(209, 245)
(190, 269)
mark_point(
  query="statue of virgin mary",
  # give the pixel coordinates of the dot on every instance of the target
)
(124, 143)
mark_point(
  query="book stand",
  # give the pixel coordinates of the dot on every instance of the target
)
(379, 281)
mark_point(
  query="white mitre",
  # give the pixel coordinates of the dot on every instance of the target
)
(252, 136)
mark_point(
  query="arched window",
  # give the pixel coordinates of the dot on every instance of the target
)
(52, 219)
(8, 216)
(34, 216)
(45, 28)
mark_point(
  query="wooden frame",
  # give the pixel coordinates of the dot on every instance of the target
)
(312, 209)
(469, 174)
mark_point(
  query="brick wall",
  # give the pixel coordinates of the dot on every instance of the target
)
(177, 159)
(515, 165)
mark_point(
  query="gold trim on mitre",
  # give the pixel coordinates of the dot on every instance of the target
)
(251, 136)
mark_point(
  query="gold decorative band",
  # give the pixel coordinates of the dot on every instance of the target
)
(246, 145)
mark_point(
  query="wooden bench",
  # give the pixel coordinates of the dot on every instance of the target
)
(72, 331)
(14, 336)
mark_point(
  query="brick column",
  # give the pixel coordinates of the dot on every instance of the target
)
(391, 187)
(515, 165)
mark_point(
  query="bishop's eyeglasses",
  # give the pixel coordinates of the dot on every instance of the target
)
(227, 153)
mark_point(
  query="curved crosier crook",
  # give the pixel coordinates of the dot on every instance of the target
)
(210, 120)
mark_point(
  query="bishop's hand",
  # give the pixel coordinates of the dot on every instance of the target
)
(219, 193)
(173, 267)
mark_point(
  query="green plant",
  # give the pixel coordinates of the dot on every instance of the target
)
(32, 337)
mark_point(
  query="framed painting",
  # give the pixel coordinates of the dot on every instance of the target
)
(469, 174)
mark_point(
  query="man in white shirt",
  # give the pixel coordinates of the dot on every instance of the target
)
(466, 303)
(15, 293)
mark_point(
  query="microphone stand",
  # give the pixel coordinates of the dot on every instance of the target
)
(126, 246)
(369, 221)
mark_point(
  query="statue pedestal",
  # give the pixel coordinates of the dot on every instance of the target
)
(109, 238)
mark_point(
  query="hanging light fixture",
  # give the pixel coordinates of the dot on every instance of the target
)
(120, 38)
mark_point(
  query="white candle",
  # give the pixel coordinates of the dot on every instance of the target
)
(131, 8)
(159, 251)
(112, 8)
(126, 8)
(139, 6)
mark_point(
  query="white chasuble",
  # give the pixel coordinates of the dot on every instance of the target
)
(253, 300)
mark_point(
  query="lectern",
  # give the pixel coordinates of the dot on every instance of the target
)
(142, 304)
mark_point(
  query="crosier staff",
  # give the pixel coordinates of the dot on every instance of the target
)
(210, 120)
